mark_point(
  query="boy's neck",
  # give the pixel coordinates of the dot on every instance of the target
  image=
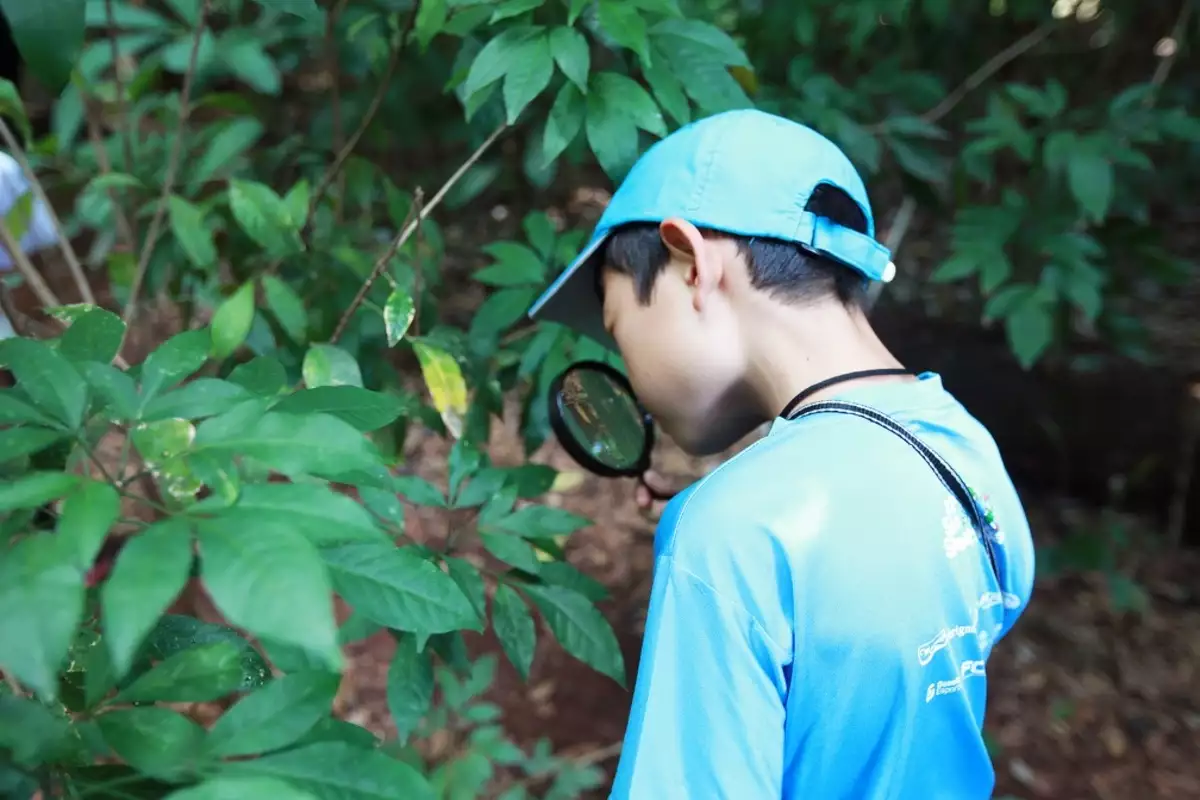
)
(790, 348)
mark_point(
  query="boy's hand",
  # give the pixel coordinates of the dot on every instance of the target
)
(645, 498)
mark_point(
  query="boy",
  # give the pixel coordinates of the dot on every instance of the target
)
(823, 603)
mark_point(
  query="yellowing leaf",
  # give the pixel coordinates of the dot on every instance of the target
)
(567, 482)
(446, 385)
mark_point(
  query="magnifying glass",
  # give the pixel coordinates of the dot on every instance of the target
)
(600, 423)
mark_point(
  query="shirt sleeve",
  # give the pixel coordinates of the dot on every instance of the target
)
(708, 707)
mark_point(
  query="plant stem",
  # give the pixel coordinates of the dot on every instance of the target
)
(123, 223)
(39, 193)
(122, 108)
(172, 166)
(28, 271)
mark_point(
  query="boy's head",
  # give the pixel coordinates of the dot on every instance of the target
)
(716, 229)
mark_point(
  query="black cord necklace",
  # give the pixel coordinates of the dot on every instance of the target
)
(795, 402)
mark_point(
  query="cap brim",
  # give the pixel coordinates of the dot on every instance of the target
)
(572, 300)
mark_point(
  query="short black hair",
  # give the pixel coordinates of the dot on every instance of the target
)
(781, 268)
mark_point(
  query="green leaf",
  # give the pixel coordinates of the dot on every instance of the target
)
(495, 60)
(513, 8)
(621, 20)
(35, 488)
(265, 217)
(150, 572)
(514, 628)
(335, 770)
(688, 52)
(668, 91)
(1090, 177)
(193, 235)
(542, 522)
(231, 321)
(199, 675)
(263, 375)
(419, 491)
(231, 141)
(30, 730)
(243, 55)
(409, 687)
(564, 122)
(287, 307)
(431, 19)
(271, 582)
(48, 35)
(87, 515)
(94, 336)
(515, 265)
(275, 716)
(528, 74)
(622, 93)
(48, 378)
(12, 108)
(580, 628)
(15, 411)
(115, 388)
(468, 578)
(570, 51)
(612, 136)
(315, 511)
(511, 550)
(157, 741)
(305, 9)
(362, 408)
(202, 397)
(316, 444)
(503, 309)
(241, 788)
(19, 442)
(1030, 329)
(41, 592)
(398, 315)
(174, 633)
(398, 589)
(174, 360)
(720, 45)
(329, 365)
(541, 233)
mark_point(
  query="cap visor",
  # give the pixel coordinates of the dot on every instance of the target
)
(572, 300)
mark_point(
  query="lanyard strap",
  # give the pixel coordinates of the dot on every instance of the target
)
(949, 477)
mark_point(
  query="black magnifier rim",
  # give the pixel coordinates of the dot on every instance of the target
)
(561, 429)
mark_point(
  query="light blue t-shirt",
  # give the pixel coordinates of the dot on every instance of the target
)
(822, 613)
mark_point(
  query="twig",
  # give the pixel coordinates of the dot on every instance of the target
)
(335, 78)
(418, 267)
(123, 223)
(28, 271)
(172, 167)
(1166, 63)
(13, 686)
(376, 271)
(122, 108)
(894, 239)
(39, 193)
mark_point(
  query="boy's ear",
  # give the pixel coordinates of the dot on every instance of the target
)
(687, 245)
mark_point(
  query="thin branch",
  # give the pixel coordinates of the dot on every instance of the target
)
(28, 271)
(1166, 63)
(39, 193)
(895, 238)
(123, 129)
(123, 224)
(172, 167)
(418, 268)
(376, 271)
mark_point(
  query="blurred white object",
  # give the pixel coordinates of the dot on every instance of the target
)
(13, 186)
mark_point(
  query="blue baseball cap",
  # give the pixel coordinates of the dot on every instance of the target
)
(744, 172)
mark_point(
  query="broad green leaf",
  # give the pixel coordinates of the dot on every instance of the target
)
(542, 522)
(94, 336)
(564, 122)
(151, 570)
(157, 741)
(500, 311)
(274, 716)
(48, 378)
(287, 307)
(19, 217)
(431, 18)
(41, 592)
(242, 788)
(315, 511)
(514, 551)
(668, 91)
(541, 233)
(612, 135)
(231, 141)
(298, 199)
(560, 573)
(362, 408)
(330, 729)
(174, 360)
(570, 51)
(12, 108)
(305, 9)
(470, 580)
(15, 411)
(398, 315)
(409, 687)
(623, 93)
(87, 515)
(398, 589)
(527, 76)
(202, 397)
(330, 365)
(114, 387)
(199, 675)
(516, 265)
(514, 628)
(263, 376)
(513, 8)
(30, 730)
(622, 20)
(1090, 176)
(718, 44)
(709, 82)
(265, 217)
(48, 35)
(35, 488)
(419, 491)
(580, 628)
(19, 442)
(243, 55)
(495, 60)
(271, 582)
(193, 235)
(446, 385)
(232, 320)
(335, 770)
(174, 633)
(1030, 329)
(316, 444)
